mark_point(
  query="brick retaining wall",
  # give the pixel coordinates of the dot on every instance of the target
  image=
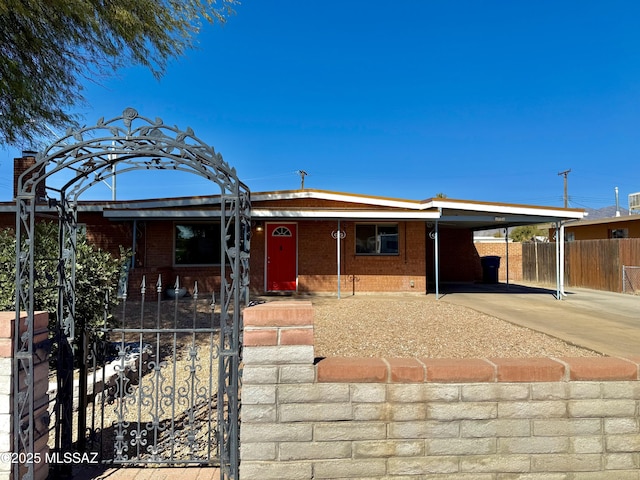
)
(356, 418)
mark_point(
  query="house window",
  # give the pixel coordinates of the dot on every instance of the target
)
(377, 239)
(197, 244)
(619, 233)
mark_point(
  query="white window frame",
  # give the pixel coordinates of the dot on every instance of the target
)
(377, 236)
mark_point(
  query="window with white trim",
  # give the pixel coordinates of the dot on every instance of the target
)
(377, 239)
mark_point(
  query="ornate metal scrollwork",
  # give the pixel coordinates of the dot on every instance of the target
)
(82, 158)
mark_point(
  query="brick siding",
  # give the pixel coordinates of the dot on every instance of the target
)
(499, 249)
(20, 165)
(413, 270)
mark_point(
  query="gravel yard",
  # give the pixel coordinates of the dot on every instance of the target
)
(420, 326)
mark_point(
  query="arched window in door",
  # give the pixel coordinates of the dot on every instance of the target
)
(281, 232)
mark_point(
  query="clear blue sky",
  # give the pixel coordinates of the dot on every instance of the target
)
(480, 100)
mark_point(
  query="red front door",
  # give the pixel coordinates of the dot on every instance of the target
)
(281, 257)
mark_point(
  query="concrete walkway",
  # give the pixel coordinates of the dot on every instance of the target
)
(605, 322)
(99, 472)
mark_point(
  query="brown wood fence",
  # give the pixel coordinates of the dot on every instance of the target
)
(539, 262)
(593, 264)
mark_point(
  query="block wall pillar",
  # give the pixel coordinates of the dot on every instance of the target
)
(41, 398)
(277, 352)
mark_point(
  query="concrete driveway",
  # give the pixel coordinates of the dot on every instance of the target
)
(606, 322)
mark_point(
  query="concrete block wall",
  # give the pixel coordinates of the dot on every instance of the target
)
(8, 457)
(381, 418)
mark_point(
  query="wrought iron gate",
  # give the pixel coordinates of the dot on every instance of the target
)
(175, 402)
(156, 388)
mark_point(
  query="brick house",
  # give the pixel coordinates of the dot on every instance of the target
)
(386, 244)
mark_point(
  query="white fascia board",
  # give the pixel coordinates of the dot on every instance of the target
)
(12, 208)
(352, 214)
(152, 214)
(338, 197)
(509, 209)
(131, 205)
(268, 213)
(164, 203)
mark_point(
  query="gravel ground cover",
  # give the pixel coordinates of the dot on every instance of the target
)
(415, 326)
(419, 326)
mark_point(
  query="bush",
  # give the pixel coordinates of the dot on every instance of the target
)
(97, 274)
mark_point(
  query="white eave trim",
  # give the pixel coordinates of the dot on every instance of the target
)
(353, 214)
(269, 214)
(508, 209)
(338, 197)
(155, 214)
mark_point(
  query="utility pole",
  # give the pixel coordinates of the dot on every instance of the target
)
(302, 174)
(566, 192)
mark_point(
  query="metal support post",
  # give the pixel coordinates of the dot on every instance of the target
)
(338, 235)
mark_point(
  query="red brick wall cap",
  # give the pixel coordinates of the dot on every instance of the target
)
(406, 370)
(528, 369)
(279, 314)
(458, 370)
(601, 368)
(343, 369)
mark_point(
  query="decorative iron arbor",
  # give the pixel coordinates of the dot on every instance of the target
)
(83, 158)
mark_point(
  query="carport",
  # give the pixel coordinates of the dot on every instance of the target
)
(471, 215)
(436, 213)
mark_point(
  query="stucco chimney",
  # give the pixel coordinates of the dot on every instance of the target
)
(22, 164)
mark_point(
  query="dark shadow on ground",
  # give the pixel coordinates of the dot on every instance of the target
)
(512, 288)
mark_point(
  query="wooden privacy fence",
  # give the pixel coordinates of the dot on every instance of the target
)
(593, 264)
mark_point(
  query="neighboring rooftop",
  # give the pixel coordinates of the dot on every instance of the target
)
(604, 212)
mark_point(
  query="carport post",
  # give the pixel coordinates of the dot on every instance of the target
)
(558, 296)
(437, 255)
(506, 239)
(562, 292)
(338, 235)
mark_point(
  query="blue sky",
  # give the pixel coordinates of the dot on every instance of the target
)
(480, 100)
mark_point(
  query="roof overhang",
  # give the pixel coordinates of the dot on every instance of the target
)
(159, 214)
(606, 221)
(490, 215)
(264, 213)
(452, 213)
(336, 197)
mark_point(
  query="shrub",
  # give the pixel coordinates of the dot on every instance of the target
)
(97, 275)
